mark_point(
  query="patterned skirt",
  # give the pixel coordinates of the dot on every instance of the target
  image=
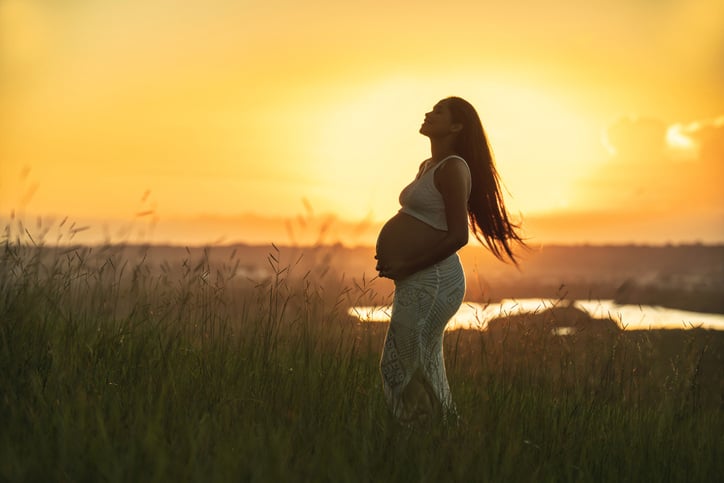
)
(412, 364)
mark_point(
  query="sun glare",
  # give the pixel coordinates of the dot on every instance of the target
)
(368, 140)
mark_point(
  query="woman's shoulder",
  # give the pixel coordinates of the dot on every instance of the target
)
(454, 156)
(455, 172)
(454, 161)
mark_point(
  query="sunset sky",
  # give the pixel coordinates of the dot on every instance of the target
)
(271, 120)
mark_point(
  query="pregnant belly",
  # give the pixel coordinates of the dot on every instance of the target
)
(404, 237)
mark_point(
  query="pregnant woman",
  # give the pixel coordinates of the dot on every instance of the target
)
(417, 248)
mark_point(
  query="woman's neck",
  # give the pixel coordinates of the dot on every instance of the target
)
(440, 150)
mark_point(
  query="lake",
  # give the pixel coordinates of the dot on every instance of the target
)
(628, 317)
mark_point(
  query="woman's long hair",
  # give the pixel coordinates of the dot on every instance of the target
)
(489, 219)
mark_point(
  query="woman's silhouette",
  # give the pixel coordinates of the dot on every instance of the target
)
(417, 248)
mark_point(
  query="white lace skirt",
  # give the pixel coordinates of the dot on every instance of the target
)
(412, 364)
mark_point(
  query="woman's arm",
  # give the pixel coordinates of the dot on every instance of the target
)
(452, 179)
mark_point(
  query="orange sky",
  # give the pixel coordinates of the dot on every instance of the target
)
(265, 120)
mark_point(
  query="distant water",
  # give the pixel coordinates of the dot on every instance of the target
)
(628, 317)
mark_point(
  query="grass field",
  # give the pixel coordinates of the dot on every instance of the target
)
(112, 370)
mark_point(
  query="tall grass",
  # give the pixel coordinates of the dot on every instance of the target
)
(114, 367)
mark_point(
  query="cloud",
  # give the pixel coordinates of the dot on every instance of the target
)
(648, 140)
(655, 167)
(706, 138)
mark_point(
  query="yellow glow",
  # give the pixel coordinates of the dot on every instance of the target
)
(369, 142)
(249, 107)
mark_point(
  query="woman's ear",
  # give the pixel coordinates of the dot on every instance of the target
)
(456, 127)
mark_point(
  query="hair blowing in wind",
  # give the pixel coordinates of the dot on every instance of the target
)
(489, 219)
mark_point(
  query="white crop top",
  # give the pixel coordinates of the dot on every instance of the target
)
(422, 200)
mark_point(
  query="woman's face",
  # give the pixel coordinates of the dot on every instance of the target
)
(438, 122)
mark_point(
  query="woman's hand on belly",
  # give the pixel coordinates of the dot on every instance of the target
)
(394, 269)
